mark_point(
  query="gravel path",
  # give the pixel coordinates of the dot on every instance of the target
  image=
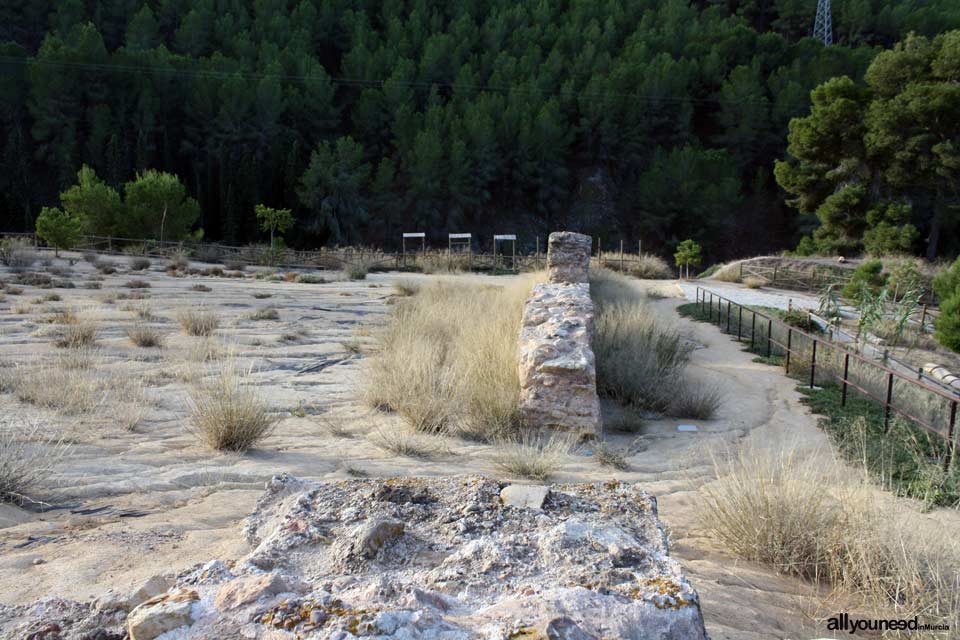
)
(775, 298)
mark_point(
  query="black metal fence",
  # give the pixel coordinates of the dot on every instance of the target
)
(819, 361)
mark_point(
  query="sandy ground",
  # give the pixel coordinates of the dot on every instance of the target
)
(133, 503)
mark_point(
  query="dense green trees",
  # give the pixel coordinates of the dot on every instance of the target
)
(879, 165)
(652, 119)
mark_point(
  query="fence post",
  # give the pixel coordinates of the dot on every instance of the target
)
(769, 336)
(741, 271)
(813, 363)
(846, 371)
(710, 316)
(621, 256)
(789, 346)
(774, 281)
(948, 458)
(923, 319)
(753, 328)
(739, 322)
(728, 316)
(886, 405)
(719, 311)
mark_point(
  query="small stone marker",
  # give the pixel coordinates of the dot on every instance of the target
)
(526, 496)
(687, 427)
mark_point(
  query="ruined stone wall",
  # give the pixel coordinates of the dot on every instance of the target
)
(558, 387)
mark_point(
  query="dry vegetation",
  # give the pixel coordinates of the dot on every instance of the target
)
(226, 414)
(830, 526)
(447, 361)
(534, 455)
(29, 457)
(640, 362)
(198, 322)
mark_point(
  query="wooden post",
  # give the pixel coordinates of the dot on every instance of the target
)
(599, 251)
(774, 281)
(813, 363)
(951, 445)
(923, 319)
(769, 337)
(846, 371)
(740, 323)
(789, 346)
(886, 406)
(753, 328)
(621, 256)
(538, 253)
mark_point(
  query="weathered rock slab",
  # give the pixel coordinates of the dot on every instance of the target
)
(592, 563)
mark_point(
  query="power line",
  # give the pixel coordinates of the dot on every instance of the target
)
(201, 74)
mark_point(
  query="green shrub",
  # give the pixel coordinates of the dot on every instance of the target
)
(947, 287)
(869, 276)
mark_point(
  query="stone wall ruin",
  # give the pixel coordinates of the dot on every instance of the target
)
(558, 387)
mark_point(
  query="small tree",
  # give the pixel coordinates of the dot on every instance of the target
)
(58, 229)
(687, 253)
(158, 206)
(273, 220)
(947, 286)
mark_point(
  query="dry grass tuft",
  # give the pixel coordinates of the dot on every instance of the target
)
(139, 264)
(145, 336)
(198, 322)
(447, 360)
(264, 313)
(533, 455)
(829, 526)
(226, 414)
(29, 456)
(728, 273)
(696, 401)
(137, 284)
(77, 334)
(753, 282)
(407, 443)
(202, 288)
(262, 296)
(406, 288)
(609, 457)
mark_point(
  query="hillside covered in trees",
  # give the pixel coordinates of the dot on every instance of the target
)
(657, 120)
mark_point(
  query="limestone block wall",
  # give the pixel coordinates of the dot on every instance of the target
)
(558, 386)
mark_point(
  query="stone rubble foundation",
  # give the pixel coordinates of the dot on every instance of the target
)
(409, 558)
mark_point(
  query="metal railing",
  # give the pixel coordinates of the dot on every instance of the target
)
(931, 408)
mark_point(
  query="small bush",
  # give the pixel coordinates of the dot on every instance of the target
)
(266, 313)
(29, 456)
(145, 336)
(139, 263)
(198, 322)
(609, 457)
(178, 261)
(800, 319)
(533, 456)
(695, 401)
(202, 288)
(309, 278)
(868, 276)
(76, 335)
(356, 271)
(227, 415)
(90, 257)
(650, 267)
(105, 267)
(12, 291)
(235, 265)
(947, 287)
(17, 253)
(137, 284)
(753, 282)
(262, 296)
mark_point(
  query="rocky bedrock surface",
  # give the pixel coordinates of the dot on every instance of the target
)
(451, 558)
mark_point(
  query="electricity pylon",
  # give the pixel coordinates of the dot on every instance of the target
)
(823, 25)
